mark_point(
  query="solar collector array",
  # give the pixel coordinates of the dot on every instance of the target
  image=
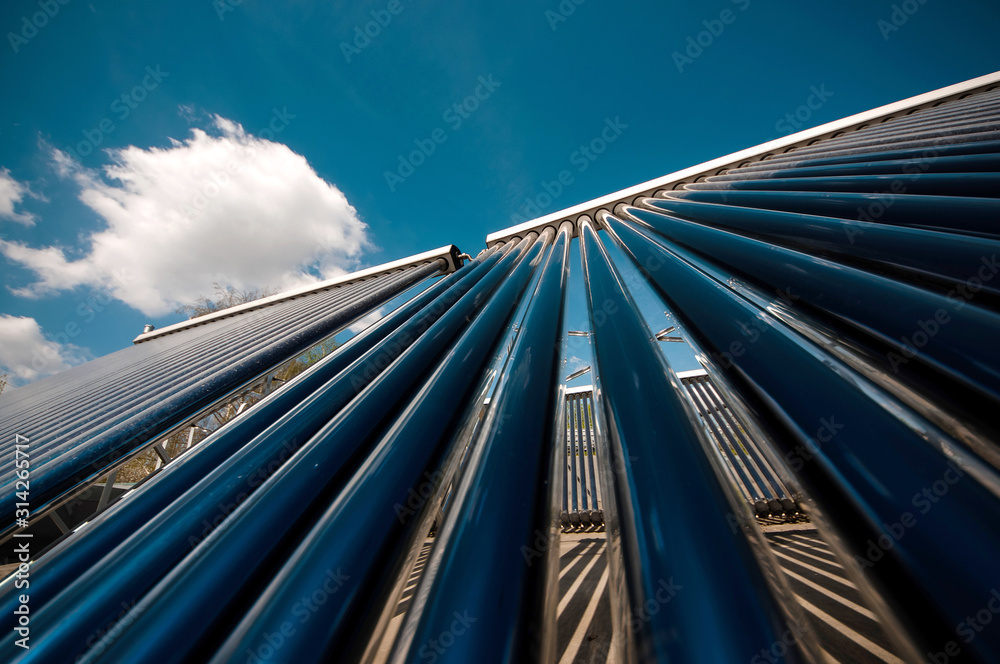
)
(81, 420)
(835, 415)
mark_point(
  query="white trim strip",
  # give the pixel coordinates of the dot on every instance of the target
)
(692, 373)
(447, 253)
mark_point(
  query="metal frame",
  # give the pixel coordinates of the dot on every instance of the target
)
(582, 501)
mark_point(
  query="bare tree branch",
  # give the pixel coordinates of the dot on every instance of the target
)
(225, 297)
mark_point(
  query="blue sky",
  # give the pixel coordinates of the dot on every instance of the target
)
(148, 149)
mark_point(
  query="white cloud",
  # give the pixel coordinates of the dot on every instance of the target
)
(228, 207)
(26, 355)
(366, 321)
(575, 363)
(188, 112)
(12, 193)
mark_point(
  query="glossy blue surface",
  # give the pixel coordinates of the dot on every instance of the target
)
(966, 163)
(795, 158)
(976, 216)
(980, 185)
(71, 558)
(962, 348)
(91, 416)
(172, 533)
(231, 565)
(507, 482)
(862, 457)
(364, 532)
(671, 507)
